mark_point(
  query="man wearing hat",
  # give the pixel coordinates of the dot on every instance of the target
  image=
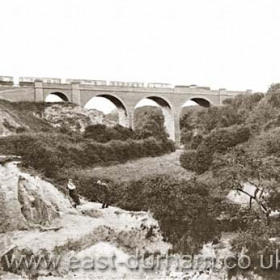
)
(72, 193)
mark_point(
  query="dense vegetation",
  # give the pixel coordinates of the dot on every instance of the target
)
(148, 122)
(225, 147)
(183, 207)
(238, 144)
(53, 151)
(102, 133)
(52, 154)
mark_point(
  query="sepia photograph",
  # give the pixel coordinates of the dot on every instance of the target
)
(140, 140)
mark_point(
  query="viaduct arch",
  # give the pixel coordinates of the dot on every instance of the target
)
(167, 111)
(120, 105)
(62, 96)
(124, 95)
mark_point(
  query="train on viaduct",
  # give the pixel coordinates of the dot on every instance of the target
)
(124, 95)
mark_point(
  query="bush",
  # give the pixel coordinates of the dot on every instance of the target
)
(188, 160)
(271, 142)
(180, 206)
(218, 141)
(203, 159)
(273, 95)
(149, 122)
(191, 139)
(186, 137)
(183, 208)
(256, 241)
(236, 111)
(101, 133)
(52, 154)
(196, 140)
(222, 139)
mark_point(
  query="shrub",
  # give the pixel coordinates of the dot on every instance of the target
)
(222, 139)
(149, 122)
(256, 241)
(21, 129)
(101, 133)
(188, 160)
(273, 95)
(186, 137)
(179, 205)
(218, 141)
(270, 142)
(183, 208)
(52, 154)
(203, 159)
(235, 111)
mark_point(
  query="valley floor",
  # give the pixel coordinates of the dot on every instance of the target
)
(137, 169)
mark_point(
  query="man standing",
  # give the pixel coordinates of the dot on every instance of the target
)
(106, 191)
(73, 193)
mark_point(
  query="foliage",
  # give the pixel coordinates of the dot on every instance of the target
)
(182, 207)
(273, 95)
(258, 245)
(149, 122)
(101, 133)
(52, 154)
(218, 141)
(188, 160)
(236, 111)
(26, 114)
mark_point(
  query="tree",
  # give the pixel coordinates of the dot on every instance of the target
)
(238, 167)
(101, 133)
(149, 122)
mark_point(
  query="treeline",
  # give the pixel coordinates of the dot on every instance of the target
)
(206, 131)
(52, 153)
(250, 119)
(234, 144)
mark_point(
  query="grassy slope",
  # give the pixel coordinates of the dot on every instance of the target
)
(136, 170)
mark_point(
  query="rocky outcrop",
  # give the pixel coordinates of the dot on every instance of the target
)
(26, 201)
(73, 118)
(9, 124)
(54, 229)
(39, 117)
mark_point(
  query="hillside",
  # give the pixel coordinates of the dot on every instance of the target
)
(48, 226)
(50, 138)
(235, 148)
(46, 215)
(210, 199)
(21, 117)
(143, 191)
(43, 117)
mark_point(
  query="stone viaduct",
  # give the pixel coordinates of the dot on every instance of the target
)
(125, 96)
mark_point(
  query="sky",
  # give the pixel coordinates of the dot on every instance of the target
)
(232, 44)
